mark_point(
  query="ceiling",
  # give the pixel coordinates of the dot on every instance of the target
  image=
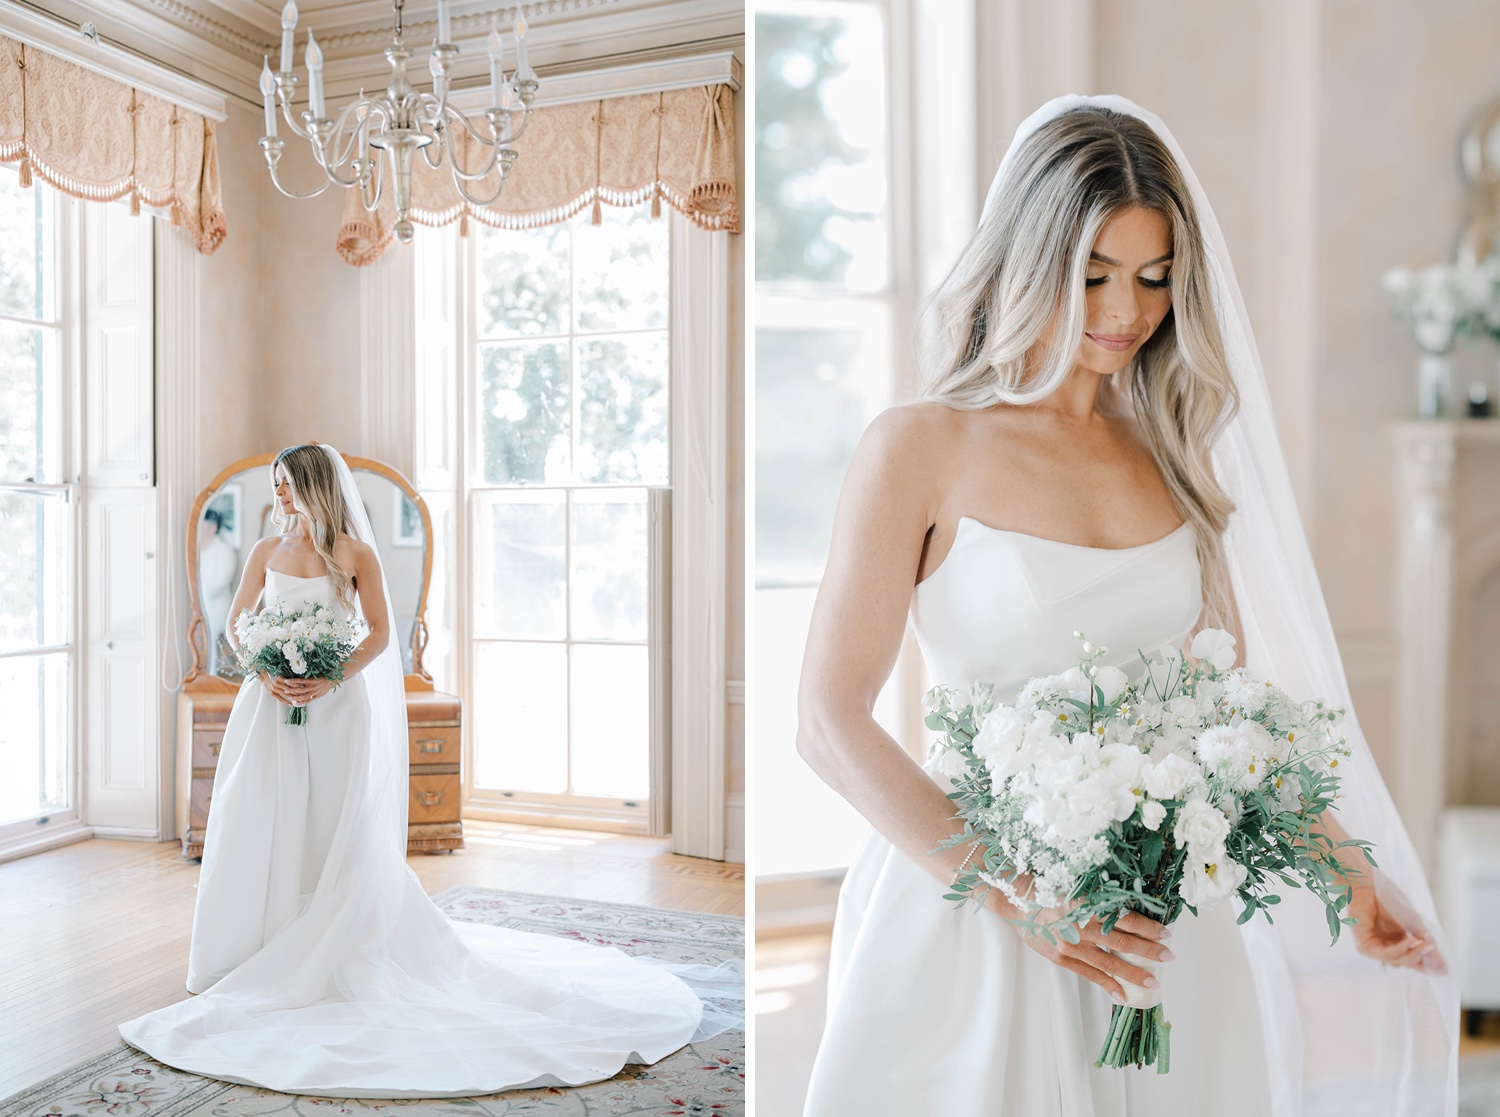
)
(223, 42)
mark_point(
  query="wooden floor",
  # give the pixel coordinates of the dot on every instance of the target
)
(95, 933)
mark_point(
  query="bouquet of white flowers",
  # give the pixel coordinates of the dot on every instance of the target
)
(311, 643)
(1094, 796)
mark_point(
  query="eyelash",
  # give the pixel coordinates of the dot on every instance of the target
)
(1154, 284)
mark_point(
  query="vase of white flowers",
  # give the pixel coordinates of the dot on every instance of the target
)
(1438, 303)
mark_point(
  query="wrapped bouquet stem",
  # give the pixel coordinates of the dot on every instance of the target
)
(1197, 783)
(313, 642)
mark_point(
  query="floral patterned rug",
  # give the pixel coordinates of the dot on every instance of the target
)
(701, 1080)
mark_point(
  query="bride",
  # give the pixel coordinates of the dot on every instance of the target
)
(1095, 451)
(320, 964)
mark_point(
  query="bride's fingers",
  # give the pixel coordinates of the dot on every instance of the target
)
(1111, 964)
(1118, 940)
(1133, 922)
(1090, 973)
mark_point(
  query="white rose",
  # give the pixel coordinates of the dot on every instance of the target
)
(1201, 827)
(1152, 814)
(1112, 681)
(1216, 646)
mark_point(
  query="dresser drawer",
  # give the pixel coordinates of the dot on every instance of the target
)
(207, 740)
(435, 744)
(434, 798)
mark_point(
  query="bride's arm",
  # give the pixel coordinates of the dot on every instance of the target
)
(885, 509)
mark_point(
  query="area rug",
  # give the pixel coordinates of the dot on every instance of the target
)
(701, 1080)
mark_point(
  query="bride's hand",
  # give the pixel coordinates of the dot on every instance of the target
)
(1095, 956)
(1388, 930)
(302, 691)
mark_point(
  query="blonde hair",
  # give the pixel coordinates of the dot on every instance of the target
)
(986, 327)
(315, 484)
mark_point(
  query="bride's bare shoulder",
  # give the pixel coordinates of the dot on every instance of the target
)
(913, 431)
(354, 550)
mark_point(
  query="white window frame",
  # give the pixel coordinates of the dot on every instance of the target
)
(403, 379)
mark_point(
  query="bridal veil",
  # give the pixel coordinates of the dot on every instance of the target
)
(1343, 1035)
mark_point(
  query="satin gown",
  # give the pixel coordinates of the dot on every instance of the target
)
(420, 1007)
(937, 1010)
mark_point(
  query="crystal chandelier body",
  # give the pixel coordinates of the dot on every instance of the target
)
(401, 121)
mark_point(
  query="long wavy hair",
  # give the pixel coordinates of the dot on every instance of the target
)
(315, 486)
(986, 330)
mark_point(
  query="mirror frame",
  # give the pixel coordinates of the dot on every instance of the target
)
(417, 678)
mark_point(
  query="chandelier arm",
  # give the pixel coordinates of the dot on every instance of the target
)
(371, 200)
(488, 141)
(517, 133)
(481, 203)
(276, 181)
(441, 143)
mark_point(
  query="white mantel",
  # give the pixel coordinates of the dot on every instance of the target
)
(1447, 739)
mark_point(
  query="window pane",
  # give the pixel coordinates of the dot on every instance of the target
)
(611, 721)
(814, 391)
(34, 570)
(610, 564)
(820, 155)
(523, 412)
(521, 564)
(521, 717)
(33, 735)
(27, 228)
(523, 282)
(623, 414)
(30, 404)
(621, 270)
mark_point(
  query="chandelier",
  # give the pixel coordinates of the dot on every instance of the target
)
(401, 121)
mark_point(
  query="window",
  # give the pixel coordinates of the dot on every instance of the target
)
(568, 424)
(37, 515)
(827, 324)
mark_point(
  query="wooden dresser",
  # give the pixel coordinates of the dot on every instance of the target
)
(435, 725)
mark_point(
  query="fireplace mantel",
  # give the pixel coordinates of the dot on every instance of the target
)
(1447, 752)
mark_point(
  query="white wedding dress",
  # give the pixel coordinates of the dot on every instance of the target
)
(316, 986)
(937, 1010)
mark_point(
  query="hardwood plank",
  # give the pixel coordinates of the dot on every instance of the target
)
(97, 932)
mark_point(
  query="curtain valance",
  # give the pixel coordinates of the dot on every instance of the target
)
(676, 146)
(96, 138)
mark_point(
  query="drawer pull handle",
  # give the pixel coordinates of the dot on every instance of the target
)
(216, 746)
(431, 744)
(431, 798)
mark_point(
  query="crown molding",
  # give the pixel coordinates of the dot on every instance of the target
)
(222, 42)
(62, 38)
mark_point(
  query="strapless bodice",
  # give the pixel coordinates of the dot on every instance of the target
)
(1003, 606)
(290, 590)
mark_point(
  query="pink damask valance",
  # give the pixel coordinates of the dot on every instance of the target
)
(96, 138)
(676, 146)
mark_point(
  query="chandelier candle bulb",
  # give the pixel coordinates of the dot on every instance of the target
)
(268, 91)
(315, 77)
(523, 67)
(497, 69)
(445, 23)
(288, 26)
